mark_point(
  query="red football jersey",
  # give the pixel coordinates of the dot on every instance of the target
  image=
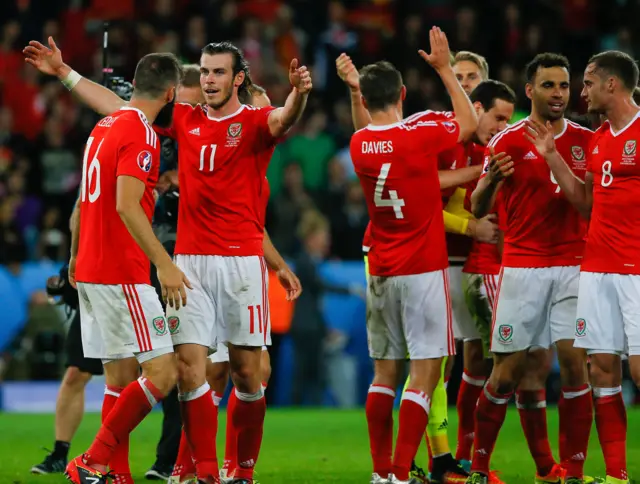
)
(222, 165)
(398, 170)
(483, 258)
(613, 241)
(121, 144)
(543, 229)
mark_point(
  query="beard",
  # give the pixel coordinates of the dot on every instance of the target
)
(165, 116)
(223, 102)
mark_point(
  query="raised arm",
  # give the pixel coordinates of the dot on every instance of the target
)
(48, 60)
(282, 119)
(579, 193)
(349, 74)
(440, 60)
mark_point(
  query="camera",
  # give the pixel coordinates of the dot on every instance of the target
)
(59, 286)
(122, 88)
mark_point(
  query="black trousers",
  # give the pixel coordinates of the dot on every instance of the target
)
(167, 450)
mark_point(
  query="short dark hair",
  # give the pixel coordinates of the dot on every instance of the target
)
(636, 95)
(240, 64)
(380, 84)
(191, 76)
(487, 92)
(617, 64)
(155, 73)
(545, 60)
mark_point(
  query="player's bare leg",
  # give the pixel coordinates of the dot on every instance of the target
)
(605, 372)
(379, 412)
(508, 370)
(118, 374)
(531, 400)
(159, 376)
(250, 408)
(477, 369)
(414, 413)
(199, 413)
(575, 408)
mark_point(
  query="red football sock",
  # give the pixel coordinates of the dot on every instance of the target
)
(611, 422)
(231, 439)
(119, 463)
(184, 465)
(468, 394)
(248, 419)
(379, 411)
(414, 415)
(490, 414)
(576, 417)
(133, 405)
(200, 423)
(532, 407)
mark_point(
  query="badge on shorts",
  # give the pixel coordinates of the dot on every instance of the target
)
(174, 324)
(505, 333)
(159, 325)
(581, 327)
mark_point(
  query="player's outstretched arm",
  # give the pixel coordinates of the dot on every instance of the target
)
(454, 178)
(276, 262)
(129, 192)
(440, 60)
(48, 60)
(349, 74)
(282, 119)
(498, 167)
(579, 193)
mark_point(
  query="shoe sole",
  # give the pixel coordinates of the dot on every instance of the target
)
(36, 470)
(156, 476)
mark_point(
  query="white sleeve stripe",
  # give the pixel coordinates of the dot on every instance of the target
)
(151, 136)
(512, 128)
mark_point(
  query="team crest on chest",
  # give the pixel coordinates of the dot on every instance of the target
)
(234, 133)
(577, 152)
(630, 148)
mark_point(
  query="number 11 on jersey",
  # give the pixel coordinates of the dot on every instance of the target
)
(393, 200)
(212, 155)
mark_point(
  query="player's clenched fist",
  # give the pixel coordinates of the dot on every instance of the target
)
(47, 60)
(347, 72)
(440, 56)
(172, 280)
(300, 77)
(500, 166)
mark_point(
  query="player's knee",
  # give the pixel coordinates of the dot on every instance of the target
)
(246, 379)
(265, 367)
(74, 379)
(605, 371)
(573, 369)
(162, 372)
(218, 376)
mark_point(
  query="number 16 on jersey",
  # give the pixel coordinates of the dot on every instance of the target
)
(393, 200)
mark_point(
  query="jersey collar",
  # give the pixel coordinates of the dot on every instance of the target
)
(633, 120)
(240, 109)
(129, 108)
(383, 127)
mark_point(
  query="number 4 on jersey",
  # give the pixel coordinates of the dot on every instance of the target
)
(393, 200)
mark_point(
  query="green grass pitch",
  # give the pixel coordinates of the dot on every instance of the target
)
(300, 446)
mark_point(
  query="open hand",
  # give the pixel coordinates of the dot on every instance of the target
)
(173, 282)
(499, 166)
(47, 60)
(347, 72)
(440, 56)
(541, 136)
(299, 77)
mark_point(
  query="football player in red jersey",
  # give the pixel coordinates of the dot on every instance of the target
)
(494, 103)
(112, 244)
(538, 286)
(407, 292)
(609, 296)
(224, 148)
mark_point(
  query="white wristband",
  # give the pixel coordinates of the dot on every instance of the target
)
(71, 80)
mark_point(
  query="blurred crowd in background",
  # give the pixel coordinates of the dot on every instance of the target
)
(42, 130)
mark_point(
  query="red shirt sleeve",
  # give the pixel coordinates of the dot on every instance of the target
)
(438, 136)
(262, 123)
(136, 157)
